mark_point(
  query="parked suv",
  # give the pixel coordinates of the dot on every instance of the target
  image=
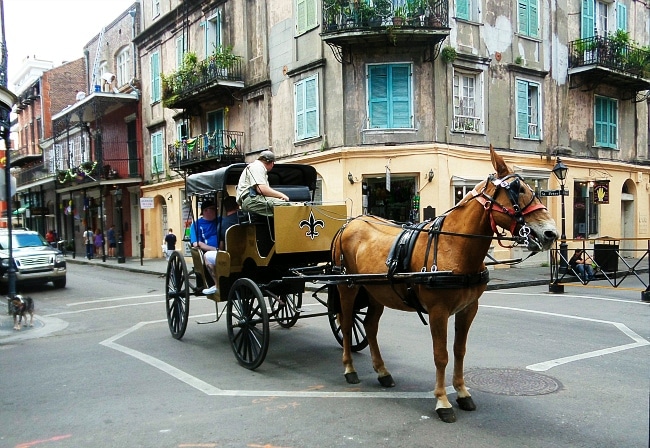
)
(35, 260)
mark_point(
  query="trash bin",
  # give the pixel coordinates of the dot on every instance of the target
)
(606, 256)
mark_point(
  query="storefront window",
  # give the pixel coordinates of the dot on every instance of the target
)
(396, 204)
(585, 212)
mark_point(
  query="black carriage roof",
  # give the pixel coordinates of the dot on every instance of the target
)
(281, 174)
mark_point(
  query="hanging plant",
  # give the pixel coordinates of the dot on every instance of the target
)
(448, 54)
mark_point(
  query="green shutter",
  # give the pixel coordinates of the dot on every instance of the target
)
(400, 93)
(621, 17)
(378, 96)
(311, 108)
(300, 110)
(588, 22)
(301, 16)
(522, 109)
(606, 122)
(523, 16)
(156, 153)
(532, 18)
(312, 14)
(462, 9)
(155, 77)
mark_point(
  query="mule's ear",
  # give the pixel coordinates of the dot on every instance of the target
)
(498, 163)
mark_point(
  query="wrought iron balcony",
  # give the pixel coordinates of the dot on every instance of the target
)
(608, 59)
(32, 174)
(198, 81)
(206, 151)
(417, 22)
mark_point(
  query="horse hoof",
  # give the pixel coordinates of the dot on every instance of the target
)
(447, 415)
(466, 404)
(386, 381)
(352, 378)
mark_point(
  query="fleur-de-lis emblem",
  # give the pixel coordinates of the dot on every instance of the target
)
(311, 224)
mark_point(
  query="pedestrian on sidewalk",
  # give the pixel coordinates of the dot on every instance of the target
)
(112, 242)
(89, 239)
(99, 242)
(170, 240)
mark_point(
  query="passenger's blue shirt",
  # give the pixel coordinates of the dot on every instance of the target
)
(207, 232)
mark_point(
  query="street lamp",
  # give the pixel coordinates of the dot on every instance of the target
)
(120, 237)
(560, 171)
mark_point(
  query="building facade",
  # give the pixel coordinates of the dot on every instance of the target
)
(396, 102)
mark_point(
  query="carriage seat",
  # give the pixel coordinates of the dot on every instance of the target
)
(296, 193)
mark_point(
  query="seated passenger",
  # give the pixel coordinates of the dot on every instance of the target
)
(203, 232)
(254, 194)
(227, 221)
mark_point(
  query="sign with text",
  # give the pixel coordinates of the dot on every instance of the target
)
(146, 203)
(553, 193)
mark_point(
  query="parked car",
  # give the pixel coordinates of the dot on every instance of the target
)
(35, 260)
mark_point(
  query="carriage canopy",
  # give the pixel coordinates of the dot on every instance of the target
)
(282, 174)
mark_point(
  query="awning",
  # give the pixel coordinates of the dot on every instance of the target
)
(19, 211)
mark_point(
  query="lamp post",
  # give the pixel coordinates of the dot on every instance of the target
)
(120, 237)
(560, 171)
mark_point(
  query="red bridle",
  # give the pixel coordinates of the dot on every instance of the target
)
(516, 213)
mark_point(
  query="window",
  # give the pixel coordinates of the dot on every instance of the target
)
(180, 51)
(528, 114)
(468, 10)
(306, 108)
(588, 20)
(181, 129)
(389, 96)
(154, 67)
(585, 210)
(157, 152)
(155, 8)
(212, 33)
(123, 66)
(306, 16)
(467, 103)
(528, 18)
(602, 23)
(606, 122)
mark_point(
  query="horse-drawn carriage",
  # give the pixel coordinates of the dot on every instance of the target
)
(261, 270)
(435, 268)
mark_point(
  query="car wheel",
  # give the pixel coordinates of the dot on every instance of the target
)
(59, 283)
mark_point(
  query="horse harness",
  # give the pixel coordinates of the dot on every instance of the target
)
(401, 251)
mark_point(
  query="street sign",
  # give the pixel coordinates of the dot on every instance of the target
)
(146, 203)
(553, 192)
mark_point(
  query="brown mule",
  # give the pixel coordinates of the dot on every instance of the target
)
(458, 246)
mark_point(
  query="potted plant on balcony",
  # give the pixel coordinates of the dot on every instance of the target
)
(399, 15)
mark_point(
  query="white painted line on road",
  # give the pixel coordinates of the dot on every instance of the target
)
(209, 389)
(543, 366)
(102, 308)
(574, 296)
(117, 299)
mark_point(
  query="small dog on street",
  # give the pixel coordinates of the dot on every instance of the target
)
(22, 307)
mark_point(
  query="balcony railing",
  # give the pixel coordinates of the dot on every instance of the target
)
(610, 53)
(32, 174)
(198, 77)
(222, 147)
(464, 123)
(91, 171)
(343, 15)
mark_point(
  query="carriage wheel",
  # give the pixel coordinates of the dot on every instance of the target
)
(248, 323)
(177, 295)
(359, 340)
(288, 314)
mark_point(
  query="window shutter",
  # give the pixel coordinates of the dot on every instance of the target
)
(523, 17)
(301, 16)
(156, 153)
(311, 107)
(522, 109)
(300, 110)
(155, 77)
(311, 19)
(462, 9)
(588, 22)
(378, 96)
(180, 51)
(532, 18)
(621, 17)
(400, 93)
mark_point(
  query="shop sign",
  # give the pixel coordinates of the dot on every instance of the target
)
(601, 192)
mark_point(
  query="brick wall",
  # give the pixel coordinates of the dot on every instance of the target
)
(59, 89)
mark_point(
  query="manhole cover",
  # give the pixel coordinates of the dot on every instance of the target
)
(511, 382)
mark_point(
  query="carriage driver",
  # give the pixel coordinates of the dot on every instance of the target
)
(254, 194)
